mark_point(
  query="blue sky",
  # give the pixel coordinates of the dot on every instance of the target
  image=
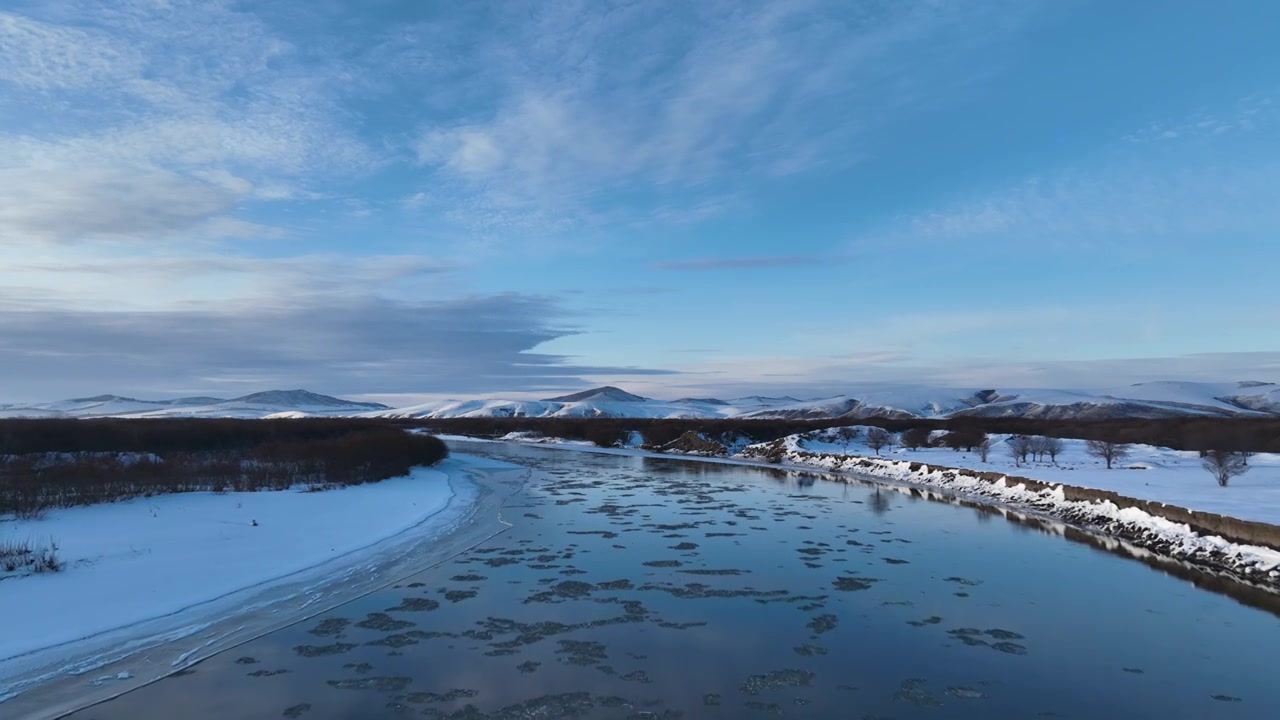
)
(405, 199)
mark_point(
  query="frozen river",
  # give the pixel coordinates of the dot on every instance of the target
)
(633, 587)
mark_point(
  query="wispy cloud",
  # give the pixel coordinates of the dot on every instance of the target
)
(678, 101)
(1196, 183)
(89, 281)
(140, 122)
(744, 263)
(1255, 112)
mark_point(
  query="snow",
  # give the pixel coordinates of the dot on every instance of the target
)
(538, 438)
(1154, 399)
(133, 562)
(299, 403)
(1136, 525)
(1147, 400)
(1149, 473)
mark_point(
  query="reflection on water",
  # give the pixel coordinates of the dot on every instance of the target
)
(662, 588)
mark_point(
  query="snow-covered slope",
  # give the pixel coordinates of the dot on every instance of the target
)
(295, 403)
(1230, 397)
(1149, 400)
(608, 393)
(591, 407)
(1145, 400)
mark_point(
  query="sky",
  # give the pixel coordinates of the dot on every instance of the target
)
(398, 200)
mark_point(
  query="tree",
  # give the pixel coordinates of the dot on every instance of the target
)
(966, 439)
(1225, 464)
(878, 438)
(1035, 445)
(984, 448)
(846, 435)
(1111, 452)
(914, 438)
(1019, 447)
(1052, 447)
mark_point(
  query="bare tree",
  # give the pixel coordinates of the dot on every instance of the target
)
(1019, 448)
(878, 439)
(846, 435)
(1035, 445)
(1111, 452)
(1225, 464)
(1052, 446)
(914, 438)
(984, 448)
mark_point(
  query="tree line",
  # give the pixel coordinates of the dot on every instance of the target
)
(1191, 433)
(1224, 444)
(237, 455)
(159, 435)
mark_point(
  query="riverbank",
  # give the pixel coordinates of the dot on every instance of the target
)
(154, 585)
(1159, 528)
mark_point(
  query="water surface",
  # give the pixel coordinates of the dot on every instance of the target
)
(661, 588)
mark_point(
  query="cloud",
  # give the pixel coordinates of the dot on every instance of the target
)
(348, 345)
(1183, 180)
(1115, 203)
(744, 263)
(683, 102)
(139, 123)
(58, 204)
(806, 377)
(80, 281)
(1250, 113)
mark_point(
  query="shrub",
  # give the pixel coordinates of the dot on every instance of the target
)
(33, 482)
(27, 555)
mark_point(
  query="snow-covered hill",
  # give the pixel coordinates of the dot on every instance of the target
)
(1145, 400)
(1148, 400)
(258, 405)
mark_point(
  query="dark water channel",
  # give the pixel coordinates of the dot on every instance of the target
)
(662, 588)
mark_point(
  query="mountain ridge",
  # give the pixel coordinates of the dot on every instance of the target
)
(1151, 400)
(253, 405)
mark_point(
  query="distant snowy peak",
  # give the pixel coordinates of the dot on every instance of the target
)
(303, 399)
(256, 405)
(763, 400)
(1145, 400)
(1149, 400)
(1259, 397)
(608, 393)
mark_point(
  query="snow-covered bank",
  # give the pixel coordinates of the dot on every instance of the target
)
(1148, 473)
(1156, 533)
(1148, 530)
(151, 572)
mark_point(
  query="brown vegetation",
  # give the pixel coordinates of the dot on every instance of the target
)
(1191, 433)
(63, 463)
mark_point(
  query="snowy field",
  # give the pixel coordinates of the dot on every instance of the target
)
(174, 564)
(1149, 473)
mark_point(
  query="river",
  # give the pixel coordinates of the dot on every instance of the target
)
(635, 587)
